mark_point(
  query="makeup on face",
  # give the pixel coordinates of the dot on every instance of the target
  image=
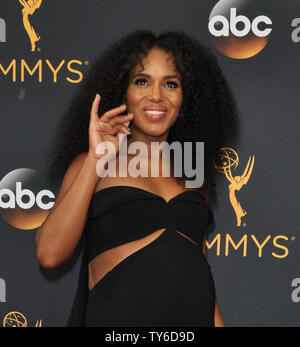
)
(154, 93)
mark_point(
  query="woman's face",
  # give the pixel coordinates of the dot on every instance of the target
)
(154, 94)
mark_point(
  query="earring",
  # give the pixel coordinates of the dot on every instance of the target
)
(180, 115)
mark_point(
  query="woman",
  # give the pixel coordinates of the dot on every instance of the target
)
(143, 260)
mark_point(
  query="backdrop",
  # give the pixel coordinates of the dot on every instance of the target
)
(46, 49)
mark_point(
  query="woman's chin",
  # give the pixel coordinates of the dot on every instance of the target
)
(155, 131)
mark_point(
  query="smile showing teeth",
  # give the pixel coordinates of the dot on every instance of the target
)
(155, 112)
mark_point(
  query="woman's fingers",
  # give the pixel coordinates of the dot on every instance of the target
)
(111, 122)
(107, 116)
(106, 128)
(94, 110)
(121, 119)
(127, 123)
(122, 129)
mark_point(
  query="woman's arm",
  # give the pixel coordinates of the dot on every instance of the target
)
(60, 233)
(219, 322)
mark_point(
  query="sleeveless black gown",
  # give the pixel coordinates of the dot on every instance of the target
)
(168, 282)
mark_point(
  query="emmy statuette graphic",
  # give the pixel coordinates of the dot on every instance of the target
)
(229, 158)
(29, 7)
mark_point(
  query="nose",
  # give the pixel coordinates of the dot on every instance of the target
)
(155, 93)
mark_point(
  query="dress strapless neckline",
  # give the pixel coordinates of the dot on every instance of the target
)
(128, 187)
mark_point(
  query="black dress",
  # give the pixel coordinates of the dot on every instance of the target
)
(168, 282)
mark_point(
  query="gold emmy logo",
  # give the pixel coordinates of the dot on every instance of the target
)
(38, 323)
(29, 7)
(228, 158)
(17, 319)
(14, 319)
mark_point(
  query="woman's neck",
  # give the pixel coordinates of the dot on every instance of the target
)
(142, 147)
(146, 139)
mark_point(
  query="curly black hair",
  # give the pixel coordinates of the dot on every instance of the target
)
(209, 110)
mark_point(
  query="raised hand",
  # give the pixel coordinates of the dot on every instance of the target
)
(108, 127)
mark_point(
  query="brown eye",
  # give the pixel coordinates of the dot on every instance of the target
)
(172, 84)
(141, 82)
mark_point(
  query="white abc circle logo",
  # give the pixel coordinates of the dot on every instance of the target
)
(20, 193)
(232, 25)
(24, 203)
(238, 29)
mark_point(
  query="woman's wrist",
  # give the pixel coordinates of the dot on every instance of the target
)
(91, 163)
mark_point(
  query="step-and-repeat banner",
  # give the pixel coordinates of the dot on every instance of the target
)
(46, 48)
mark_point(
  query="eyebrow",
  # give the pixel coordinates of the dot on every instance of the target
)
(148, 76)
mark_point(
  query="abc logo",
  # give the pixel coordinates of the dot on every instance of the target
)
(20, 193)
(24, 203)
(234, 34)
(232, 25)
